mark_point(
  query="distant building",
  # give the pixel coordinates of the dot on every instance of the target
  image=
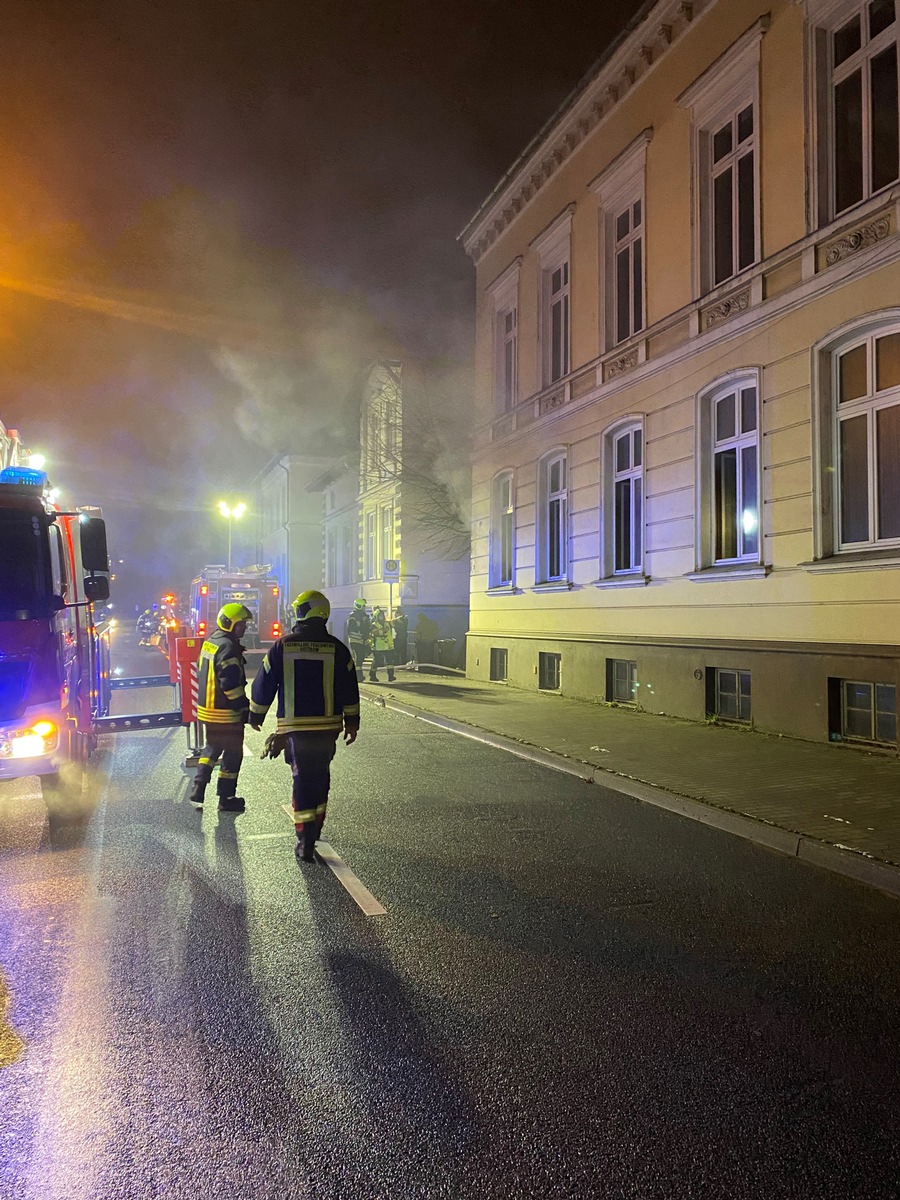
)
(686, 472)
(398, 495)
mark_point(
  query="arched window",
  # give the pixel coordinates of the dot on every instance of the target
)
(623, 500)
(503, 532)
(730, 473)
(553, 518)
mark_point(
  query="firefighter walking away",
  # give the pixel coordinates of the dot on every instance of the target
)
(222, 707)
(313, 676)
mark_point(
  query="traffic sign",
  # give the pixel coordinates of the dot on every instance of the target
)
(391, 572)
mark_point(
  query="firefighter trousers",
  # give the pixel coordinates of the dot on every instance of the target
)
(310, 756)
(225, 742)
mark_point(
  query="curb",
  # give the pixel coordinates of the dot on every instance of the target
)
(809, 850)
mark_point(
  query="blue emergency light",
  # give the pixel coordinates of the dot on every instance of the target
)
(29, 476)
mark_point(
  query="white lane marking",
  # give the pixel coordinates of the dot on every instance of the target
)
(258, 837)
(353, 884)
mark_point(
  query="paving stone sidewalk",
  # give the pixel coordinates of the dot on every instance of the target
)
(839, 797)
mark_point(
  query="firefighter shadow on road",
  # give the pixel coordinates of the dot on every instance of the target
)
(423, 1122)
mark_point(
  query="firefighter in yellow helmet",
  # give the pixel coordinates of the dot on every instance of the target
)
(222, 707)
(313, 676)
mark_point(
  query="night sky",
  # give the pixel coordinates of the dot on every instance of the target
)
(214, 214)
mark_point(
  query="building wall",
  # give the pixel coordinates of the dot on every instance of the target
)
(802, 612)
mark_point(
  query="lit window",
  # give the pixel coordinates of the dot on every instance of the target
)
(734, 490)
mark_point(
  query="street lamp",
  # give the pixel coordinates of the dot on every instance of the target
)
(231, 513)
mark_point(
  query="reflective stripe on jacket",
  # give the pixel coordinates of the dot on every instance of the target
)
(314, 677)
(221, 681)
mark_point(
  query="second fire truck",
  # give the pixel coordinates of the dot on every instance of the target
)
(253, 587)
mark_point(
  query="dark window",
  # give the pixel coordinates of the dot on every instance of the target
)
(498, 663)
(869, 712)
(548, 672)
(621, 680)
(731, 694)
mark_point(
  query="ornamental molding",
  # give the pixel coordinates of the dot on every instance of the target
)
(857, 239)
(621, 365)
(623, 68)
(553, 401)
(726, 309)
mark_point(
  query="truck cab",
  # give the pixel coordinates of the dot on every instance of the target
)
(54, 650)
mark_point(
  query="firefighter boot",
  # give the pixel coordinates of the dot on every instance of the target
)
(233, 804)
(391, 675)
(197, 793)
(305, 849)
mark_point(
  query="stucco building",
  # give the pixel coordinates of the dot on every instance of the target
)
(686, 474)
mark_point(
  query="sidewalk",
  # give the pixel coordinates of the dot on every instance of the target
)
(830, 805)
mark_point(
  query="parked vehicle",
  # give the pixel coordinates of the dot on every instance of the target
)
(254, 587)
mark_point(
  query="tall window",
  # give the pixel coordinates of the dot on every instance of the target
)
(331, 557)
(864, 118)
(504, 298)
(557, 322)
(507, 358)
(627, 499)
(732, 194)
(553, 519)
(387, 532)
(735, 471)
(371, 545)
(502, 548)
(866, 385)
(628, 277)
(349, 564)
(724, 104)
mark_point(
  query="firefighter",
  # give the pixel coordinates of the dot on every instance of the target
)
(383, 645)
(222, 707)
(313, 676)
(357, 634)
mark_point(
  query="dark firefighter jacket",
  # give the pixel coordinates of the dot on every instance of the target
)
(221, 681)
(314, 677)
(358, 626)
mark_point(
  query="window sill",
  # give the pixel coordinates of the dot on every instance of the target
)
(622, 581)
(503, 589)
(725, 574)
(554, 585)
(868, 561)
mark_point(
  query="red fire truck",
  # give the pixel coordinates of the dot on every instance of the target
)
(254, 587)
(54, 649)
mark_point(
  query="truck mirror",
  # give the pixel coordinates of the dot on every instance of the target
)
(96, 588)
(94, 554)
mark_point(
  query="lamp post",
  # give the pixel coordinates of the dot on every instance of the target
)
(231, 513)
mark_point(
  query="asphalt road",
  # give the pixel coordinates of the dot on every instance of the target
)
(570, 994)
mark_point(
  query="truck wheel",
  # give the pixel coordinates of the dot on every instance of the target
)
(63, 793)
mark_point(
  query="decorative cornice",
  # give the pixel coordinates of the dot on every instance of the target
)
(857, 239)
(628, 61)
(726, 309)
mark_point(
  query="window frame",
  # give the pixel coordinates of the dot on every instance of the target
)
(735, 382)
(621, 185)
(825, 18)
(504, 299)
(554, 251)
(502, 516)
(610, 476)
(545, 522)
(724, 89)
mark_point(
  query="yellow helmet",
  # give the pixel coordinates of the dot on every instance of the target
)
(312, 604)
(230, 614)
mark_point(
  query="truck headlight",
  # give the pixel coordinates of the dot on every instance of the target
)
(37, 740)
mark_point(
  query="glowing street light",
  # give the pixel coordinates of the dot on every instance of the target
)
(37, 462)
(231, 513)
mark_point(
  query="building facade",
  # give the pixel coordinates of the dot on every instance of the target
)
(289, 522)
(686, 474)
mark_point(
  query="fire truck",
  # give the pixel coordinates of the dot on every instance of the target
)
(254, 587)
(54, 648)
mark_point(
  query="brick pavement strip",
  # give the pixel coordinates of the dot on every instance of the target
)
(831, 805)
